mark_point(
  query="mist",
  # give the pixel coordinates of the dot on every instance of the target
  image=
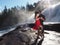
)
(52, 13)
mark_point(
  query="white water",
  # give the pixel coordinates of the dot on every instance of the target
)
(6, 31)
(53, 38)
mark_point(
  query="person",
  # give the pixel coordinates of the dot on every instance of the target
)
(37, 27)
(42, 19)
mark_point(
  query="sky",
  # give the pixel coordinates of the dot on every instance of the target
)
(12, 3)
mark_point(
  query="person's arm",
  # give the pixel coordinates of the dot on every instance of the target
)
(42, 17)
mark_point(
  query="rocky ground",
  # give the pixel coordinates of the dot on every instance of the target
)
(17, 38)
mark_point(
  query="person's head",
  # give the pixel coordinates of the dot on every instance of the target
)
(39, 11)
(37, 14)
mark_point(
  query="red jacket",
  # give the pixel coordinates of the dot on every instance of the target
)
(37, 24)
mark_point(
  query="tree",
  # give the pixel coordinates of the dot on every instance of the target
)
(35, 4)
(22, 8)
(29, 7)
(5, 11)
